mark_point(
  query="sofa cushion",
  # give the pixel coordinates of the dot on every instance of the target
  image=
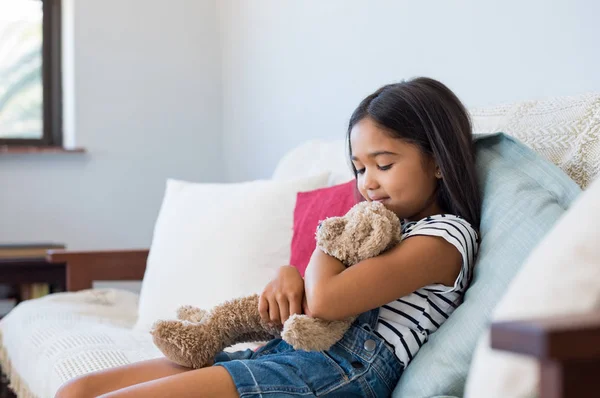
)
(565, 130)
(216, 242)
(568, 261)
(314, 157)
(523, 196)
(311, 208)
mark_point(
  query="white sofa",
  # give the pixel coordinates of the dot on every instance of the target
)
(48, 341)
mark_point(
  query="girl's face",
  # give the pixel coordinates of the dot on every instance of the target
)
(394, 172)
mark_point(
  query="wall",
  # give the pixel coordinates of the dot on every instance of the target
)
(295, 70)
(147, 104)
(220, 90)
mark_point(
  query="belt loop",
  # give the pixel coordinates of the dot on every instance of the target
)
(369, 318)
(374, 318)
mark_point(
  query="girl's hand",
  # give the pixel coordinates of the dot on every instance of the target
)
(305, 309)
(282, 297)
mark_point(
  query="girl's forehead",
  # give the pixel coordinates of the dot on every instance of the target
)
(369, 137)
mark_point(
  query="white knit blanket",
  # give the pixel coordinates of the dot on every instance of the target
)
(55, 338)
(47, 341)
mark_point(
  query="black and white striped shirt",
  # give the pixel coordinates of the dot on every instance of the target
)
(407, 322)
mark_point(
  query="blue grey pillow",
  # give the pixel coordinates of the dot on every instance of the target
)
(523, 196)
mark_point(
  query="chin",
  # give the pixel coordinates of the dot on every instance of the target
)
(393, 208)
(397, 211)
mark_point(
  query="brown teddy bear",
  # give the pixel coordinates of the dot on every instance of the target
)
(194, 339)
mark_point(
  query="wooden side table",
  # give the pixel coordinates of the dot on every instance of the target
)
(14, 271)
(28, 270)
(5, 391)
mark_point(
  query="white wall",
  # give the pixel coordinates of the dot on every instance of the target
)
(147, 107)
(295, 70)
(216, 90)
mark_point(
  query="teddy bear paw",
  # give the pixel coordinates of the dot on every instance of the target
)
(180, 341)
(312, 334)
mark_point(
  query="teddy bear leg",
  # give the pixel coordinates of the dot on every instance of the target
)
(177, 340)
(195, 344)
(312, 334)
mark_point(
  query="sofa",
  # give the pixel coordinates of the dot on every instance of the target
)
(545, 159)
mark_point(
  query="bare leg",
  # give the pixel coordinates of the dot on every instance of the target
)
(104, 381)
(211, 382)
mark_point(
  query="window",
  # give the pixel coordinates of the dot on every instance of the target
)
(30, 73)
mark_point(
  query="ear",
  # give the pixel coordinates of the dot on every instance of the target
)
(432, 166)
(435, 167)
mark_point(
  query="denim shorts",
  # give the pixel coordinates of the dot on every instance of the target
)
(361, 364)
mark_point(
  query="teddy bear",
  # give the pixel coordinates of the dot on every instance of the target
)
(196, 336)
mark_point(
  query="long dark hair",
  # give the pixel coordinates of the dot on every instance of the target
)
(426, 113)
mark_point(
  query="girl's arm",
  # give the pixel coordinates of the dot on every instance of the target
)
(334, 292)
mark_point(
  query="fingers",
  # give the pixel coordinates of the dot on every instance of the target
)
(263, 308)
(274, 312)
(284, 309)
(277, 311)
(295, 307)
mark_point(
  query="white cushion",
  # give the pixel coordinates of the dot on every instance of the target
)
(215, 242)
(560, 277)
(314, 157)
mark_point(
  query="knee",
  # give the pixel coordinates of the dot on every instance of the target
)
(79, 387)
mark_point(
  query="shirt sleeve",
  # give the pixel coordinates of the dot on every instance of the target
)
(461, 235)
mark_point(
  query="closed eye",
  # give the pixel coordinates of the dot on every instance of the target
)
(382, 168)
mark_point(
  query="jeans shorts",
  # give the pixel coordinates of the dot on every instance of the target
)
(361, 364)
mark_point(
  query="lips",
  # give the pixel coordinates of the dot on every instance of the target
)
(379, 198)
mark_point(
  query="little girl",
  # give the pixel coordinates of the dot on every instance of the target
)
(411, 148)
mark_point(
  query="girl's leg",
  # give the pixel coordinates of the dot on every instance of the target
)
(104, 381)
(210, 382)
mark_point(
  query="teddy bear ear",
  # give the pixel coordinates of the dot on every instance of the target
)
(336, 224)
(379, 239)
(331, 227)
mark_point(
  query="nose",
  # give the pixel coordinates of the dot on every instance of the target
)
(369, 181)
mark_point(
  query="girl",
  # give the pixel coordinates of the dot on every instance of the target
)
(411, 148)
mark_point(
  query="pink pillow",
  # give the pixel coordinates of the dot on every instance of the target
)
(313, 207)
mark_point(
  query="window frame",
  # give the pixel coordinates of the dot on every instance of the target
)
(52, 125)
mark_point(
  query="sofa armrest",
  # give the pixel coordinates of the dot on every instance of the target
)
(84, 267)
(567, 348)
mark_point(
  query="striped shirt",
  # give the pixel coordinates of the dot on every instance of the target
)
(407, 322)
